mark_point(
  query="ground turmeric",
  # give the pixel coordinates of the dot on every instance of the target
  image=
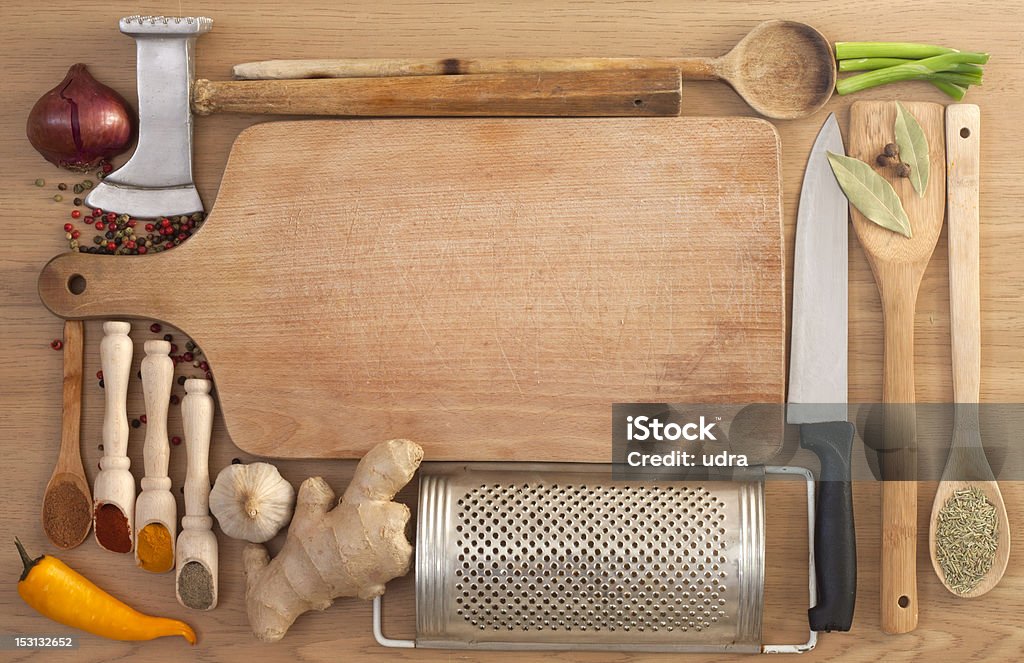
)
(154, 548)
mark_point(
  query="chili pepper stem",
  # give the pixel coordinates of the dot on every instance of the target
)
(25, 559)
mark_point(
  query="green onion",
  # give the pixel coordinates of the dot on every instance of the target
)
(870, 64)
(928, 69)
(849, 50)
(955, 91)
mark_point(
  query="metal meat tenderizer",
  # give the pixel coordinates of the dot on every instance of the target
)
(517, 556)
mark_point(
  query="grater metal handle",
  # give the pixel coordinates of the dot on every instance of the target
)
(835, 542)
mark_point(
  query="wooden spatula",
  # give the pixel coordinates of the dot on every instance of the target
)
(898, 263)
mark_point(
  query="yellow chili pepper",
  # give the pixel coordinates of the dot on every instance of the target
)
(59, 592)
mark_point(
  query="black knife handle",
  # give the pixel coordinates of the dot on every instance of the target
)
(835, 542)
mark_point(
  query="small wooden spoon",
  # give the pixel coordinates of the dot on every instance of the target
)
(783, 69)
(898, 263)
(966, 466)
(69, 469)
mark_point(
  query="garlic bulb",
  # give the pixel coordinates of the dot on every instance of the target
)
(252, 502)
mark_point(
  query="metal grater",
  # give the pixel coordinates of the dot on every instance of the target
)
(555, 556)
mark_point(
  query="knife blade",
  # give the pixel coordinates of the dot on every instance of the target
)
(818, 377)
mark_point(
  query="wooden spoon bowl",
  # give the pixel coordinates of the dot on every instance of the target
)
(782, 69)
(993, 494)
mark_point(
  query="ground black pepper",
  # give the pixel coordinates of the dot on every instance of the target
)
(195, 586)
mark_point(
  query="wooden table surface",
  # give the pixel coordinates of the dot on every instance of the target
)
(43, 41)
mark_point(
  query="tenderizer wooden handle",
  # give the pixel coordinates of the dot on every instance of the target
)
(557, 94)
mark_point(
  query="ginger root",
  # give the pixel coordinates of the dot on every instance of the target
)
(350, 550)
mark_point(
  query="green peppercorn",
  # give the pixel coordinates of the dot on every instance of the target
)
(197, 216)
(40, 182)
(87, 184)
(78, 188)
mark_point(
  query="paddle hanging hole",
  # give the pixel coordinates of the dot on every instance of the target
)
(638, 102)
(903, 601)
(76, 284)
(965, 133)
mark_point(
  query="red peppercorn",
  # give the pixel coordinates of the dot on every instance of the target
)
(68, 227)
(155, 328)
(56, 344)
(88, 220)
(142, 250)
(165, 222)
(111, 216)
(174, 348)
(149, 227)
(175, 440)
(100, 225)
(131, 223)
(142, 418)
(111, 246)
(107, 167)
(204, 366)
(187, 356)
(75, 234)
(99, 375)
(75, 213)
(209, 375)
(98, 212)
(169, 245)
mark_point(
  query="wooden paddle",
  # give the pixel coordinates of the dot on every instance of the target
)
(898, 263)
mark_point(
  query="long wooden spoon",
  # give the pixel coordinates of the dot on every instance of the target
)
(783, 69)
(898, 263)
(68, 490)
(966, 466)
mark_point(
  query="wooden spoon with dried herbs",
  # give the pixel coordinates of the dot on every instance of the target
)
(969, 539)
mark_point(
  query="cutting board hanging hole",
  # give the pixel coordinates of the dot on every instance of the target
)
(76, 284)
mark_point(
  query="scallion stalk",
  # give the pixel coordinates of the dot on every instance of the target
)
(848, 50)
(955, 91)
(870, 64)
(928, 69)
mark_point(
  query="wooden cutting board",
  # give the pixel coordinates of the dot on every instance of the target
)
(486, 287)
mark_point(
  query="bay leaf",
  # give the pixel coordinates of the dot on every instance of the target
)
(870, 193)
(913, 148)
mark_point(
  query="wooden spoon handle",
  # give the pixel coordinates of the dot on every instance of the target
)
(116, 363)
(70, 459)
(157, 377)
(611, 93)
(963, 149)
(689, 68)
(197, 420)
(899, 462)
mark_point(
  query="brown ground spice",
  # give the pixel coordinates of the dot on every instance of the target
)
(112, 529)
(66, 516)
(195, 586)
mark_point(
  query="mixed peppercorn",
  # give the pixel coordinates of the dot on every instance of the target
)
(120, 234)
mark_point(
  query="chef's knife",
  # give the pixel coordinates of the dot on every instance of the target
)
(818, 377)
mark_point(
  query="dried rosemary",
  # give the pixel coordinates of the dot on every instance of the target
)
(965, 542)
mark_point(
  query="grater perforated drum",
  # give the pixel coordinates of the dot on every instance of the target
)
(553, 556)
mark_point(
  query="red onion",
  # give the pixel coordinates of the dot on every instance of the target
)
(80, 122)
